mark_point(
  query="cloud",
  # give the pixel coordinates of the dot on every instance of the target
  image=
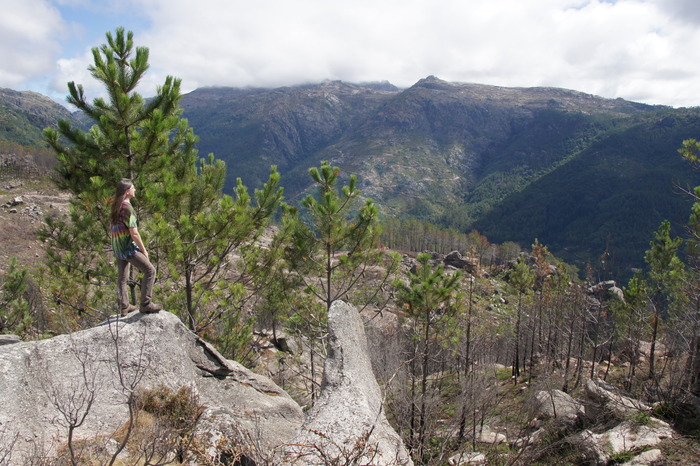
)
(635, 49)
(622, 49)
(30, 33)
(683, 10)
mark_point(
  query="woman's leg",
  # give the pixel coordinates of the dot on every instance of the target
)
(141, 262)
(122, 292)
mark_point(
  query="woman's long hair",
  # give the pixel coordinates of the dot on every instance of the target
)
(122, 187)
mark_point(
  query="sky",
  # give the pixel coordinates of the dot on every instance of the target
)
(640, 50)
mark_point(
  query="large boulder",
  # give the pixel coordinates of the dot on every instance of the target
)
(608, 400)
(347, 424)
(92, 372)
(559, 406)
(455, 259)
(625, 437)
(486, 435)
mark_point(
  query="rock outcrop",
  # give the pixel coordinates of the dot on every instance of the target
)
(348, 421)
(455, 259)
(608, 399)
(625, 437)
(559, 406)
(91, 373)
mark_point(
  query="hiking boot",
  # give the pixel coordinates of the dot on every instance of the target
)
(128, 309)
(150, 308)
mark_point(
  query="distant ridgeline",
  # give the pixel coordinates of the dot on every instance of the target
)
(23, 117)
(580, 173)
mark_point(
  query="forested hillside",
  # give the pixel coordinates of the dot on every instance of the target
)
(583, 174)
(571, 169)
(630, 180)
(24, 115)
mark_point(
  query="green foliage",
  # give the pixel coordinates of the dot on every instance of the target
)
(432, 303)
(330, 251)
(641, 418)
(521, 276)
(690, 151)
(198, 228)
(329, 246)
(191, 227)
(15, 315)
(234, 336)
(664, 264)
(593, 198)
(429, 292)
(23, 117)
(129, 139)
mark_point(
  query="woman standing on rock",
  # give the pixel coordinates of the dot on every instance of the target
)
(128, 249)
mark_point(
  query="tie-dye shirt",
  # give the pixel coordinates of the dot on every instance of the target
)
(122, 244)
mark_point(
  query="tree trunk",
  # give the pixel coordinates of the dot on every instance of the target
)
(516, 358)
(695, 366)
(654, 334)
(424, 386)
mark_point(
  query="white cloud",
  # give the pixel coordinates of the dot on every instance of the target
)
(643, 50)
(30, 33)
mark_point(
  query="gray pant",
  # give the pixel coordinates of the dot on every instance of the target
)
(141, 262)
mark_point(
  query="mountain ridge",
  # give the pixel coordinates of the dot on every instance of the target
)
(451, 153)
(463, 155)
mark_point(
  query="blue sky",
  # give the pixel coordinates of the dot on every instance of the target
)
(641, 50)
(88, 22)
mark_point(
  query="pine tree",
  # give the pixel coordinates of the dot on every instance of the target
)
(190, 225)
(690, 151)
(522, 278)
(431, 302)
(332, 250)
(666, 273)
(196, 229)
(15, 315)
(331, 244)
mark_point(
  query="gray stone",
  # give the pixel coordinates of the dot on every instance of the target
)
(156, 347)
(608, 399)
(558, 405)
(348, 418)
(462, 459)
(15, 201)
(486, 435)
(624, 437)
(648, 458)
(455, 259)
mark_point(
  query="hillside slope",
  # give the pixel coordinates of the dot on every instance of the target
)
(566, 167)
(578, 172)
(612, 195)
(24, 115)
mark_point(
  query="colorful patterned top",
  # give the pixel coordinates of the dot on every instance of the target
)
(122, 244)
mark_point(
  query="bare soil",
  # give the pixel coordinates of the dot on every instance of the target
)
(25, 202)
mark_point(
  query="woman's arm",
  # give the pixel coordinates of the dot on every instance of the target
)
(134, 232)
